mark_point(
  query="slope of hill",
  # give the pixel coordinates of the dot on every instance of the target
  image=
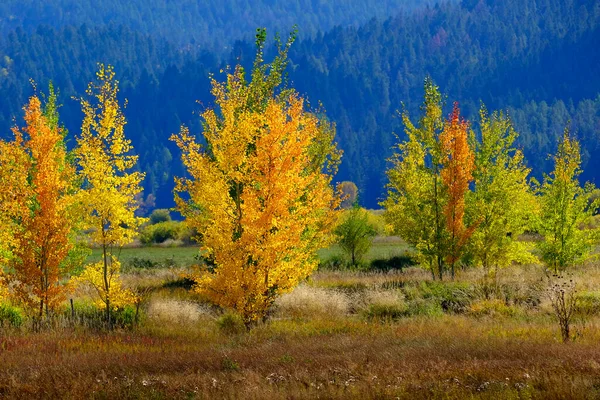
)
(537, 58)
(209, 24)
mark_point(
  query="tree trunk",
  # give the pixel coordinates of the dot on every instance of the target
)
(106, 285)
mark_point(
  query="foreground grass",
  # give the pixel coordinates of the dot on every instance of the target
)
(341, 334)
(449, 357)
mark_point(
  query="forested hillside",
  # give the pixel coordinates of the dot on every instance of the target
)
(206, 24)
(538, 59)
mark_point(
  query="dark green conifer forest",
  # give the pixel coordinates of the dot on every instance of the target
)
(362, 61)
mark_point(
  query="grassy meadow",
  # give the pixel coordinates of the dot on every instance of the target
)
(341, 334)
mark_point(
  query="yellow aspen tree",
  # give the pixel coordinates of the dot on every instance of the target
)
(109, 192)
(259, 192)
(44, 240)
(14, 172)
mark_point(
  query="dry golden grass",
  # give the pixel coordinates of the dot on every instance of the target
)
(320, 343)
(449, 357)
(306, 302)
(183, 312)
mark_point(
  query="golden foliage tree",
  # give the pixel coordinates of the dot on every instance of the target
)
(457, 173)
(110, 187)
(46, 213)
(14, 173)
(260, 192)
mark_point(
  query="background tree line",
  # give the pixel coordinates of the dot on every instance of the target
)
(535, 58)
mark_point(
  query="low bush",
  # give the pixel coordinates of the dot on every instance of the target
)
(231, 323)
(173, 231)
(159, 232)
(491, 307)
(453, 297)
(521, 294)
(160, 215)
(424, 307)
(11, 316)
(140, 263)
(181, 283)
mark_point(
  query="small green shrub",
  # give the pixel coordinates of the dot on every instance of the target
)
(125, 317)
(588, 304)
(161, 232)
(424, 307)
(230, 323)
(160, 215)
(11, 316)
(453, 297)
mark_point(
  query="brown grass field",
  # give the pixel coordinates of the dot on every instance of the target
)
(342, 334)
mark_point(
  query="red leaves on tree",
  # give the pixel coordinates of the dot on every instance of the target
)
(457, 173)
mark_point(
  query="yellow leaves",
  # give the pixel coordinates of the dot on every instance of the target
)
(103, 156)
(3, 288)
(259, 203)
(113, 293)
(108, 198)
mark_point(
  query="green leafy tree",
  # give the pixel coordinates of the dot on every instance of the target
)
(565, 208)
(356, 232)
(502, 202)
(160, 215)
(416, 193)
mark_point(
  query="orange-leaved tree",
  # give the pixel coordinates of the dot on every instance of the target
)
(260, 191)
(109, 192)
(457, 173)
(46, 212)
(14, 173)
